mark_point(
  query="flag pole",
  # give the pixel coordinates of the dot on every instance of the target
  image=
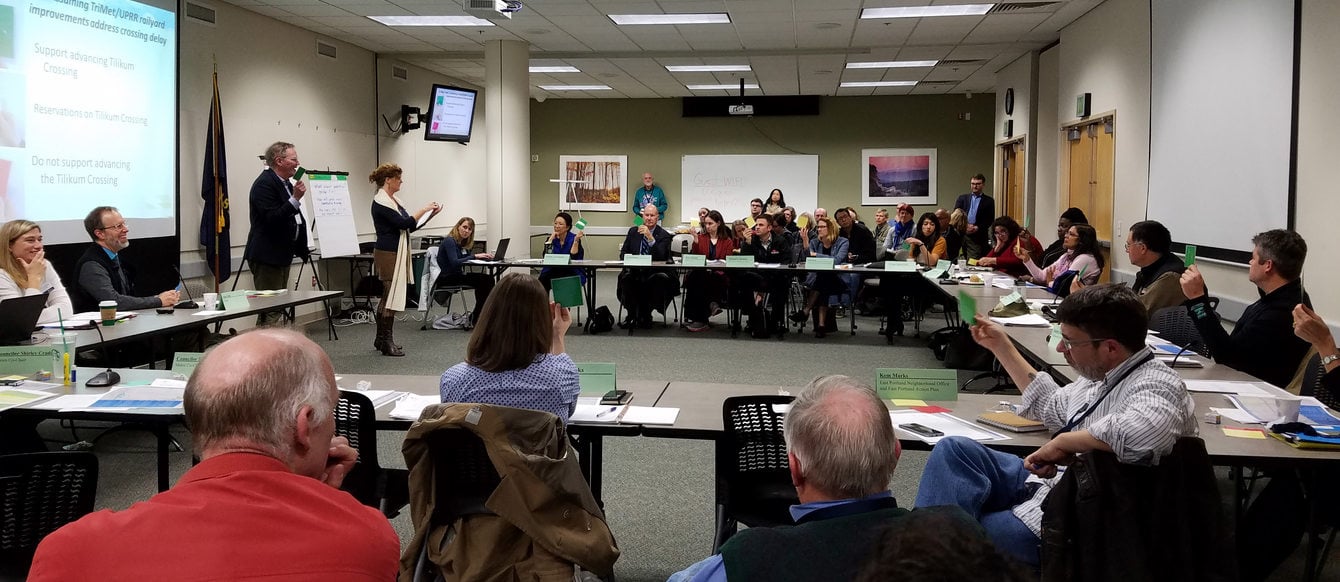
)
(218, 211)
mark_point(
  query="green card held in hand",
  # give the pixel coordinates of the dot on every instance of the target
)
(567, 291)
(967, 308)
(637, 220)
(581, 223)
(297, 176)
(1190, 258)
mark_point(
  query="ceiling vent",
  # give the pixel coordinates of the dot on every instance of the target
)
(399, 72)
(201, 13)
(1023, 7)
(326, 49)
(961, 63)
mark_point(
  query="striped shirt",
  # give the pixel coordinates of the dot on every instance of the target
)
(1140, 420)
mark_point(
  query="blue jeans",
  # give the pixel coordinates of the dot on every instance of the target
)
(985, 483)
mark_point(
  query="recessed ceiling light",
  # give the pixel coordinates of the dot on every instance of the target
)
(575, 87)
(890, 64)
(823, 72)
(562, 69)
(720, 87)
(707, 68)
(431, 21)
(827, 25)
(707, 18)
(878, 84)
(926, 11)
(536, 31)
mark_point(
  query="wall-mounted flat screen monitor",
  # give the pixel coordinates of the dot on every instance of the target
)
(451, 113)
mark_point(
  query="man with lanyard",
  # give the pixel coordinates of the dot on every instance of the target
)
(650, 193)
(1125, 402)
(981, 211)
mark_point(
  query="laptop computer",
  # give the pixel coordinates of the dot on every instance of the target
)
(499, 255)
(18, 318)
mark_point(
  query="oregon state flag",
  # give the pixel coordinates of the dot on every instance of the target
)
(214, 221)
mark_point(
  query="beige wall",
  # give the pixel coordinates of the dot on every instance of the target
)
(652, 133)
(1318, 206)
(1046, 195)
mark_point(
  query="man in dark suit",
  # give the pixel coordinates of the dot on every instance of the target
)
(642, 290)
(278, 230)
(981, 210)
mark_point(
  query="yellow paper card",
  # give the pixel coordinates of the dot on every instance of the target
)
(694, 223)
(972, 262)
(803, 221)
(907, 402)
(749, 222)
(1245, 433)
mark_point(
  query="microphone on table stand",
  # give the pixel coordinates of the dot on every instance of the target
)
(190, 301)
(106, 377)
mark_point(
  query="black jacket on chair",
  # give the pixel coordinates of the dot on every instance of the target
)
(1107, 520)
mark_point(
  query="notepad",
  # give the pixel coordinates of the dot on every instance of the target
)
(1010, 421)
(650, 415)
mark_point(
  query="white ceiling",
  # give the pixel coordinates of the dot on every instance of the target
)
(795, 47)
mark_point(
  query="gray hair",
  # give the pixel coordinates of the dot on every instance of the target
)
(248, 391)
(275, 150)
(839, 430)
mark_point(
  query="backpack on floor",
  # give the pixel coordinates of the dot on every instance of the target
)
(601, 320)
(955, 346)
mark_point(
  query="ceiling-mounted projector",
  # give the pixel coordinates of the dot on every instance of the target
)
(740, 109)
(487, 9)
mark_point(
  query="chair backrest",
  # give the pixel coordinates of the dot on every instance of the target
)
(356, 420)
(39, 493)
(1175, 325)
(464, 474)
(754, 445)
(1311, 384)
(681, 244)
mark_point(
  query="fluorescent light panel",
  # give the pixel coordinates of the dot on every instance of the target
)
(575, 87)
(878, 84)
(720, 87)
(891, 64)
(431, 21)
(562, 69)
(926, 11)
(707, 18)
(707, 68)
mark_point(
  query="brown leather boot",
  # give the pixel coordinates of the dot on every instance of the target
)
(384, 331)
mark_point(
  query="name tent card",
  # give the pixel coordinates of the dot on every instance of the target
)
(596, 378)
(185, 362)
(637, 260)
(900, 266)
(740, 261)
(694, 260)
(934, 273)
(916, 384)
(26, 361)
(819, 263)
(943, 264)
(234, 300)
(557, 259)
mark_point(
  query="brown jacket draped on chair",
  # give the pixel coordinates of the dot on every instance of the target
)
(543, 518)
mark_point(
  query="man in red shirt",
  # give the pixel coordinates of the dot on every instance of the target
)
(264, 502)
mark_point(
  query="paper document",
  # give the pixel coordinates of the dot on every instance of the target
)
(168, 383)
(1029, 320)
(427, 216)
(412, 405)
(948, 424)
(1257, 389)
(68, 402)
(381, 397)
(207, 312)
(141, 397)
(598, 413)
(11, 397)
(650, 415)
(1236, 415)
(1001, 283)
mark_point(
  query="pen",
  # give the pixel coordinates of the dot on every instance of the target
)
(603, 414)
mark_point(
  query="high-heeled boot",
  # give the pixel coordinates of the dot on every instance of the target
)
(385, 338)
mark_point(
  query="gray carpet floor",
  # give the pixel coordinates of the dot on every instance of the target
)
(658, 492)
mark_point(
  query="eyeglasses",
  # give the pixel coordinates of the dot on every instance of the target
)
(118, 226)
(1069, 344)
(1130, 243)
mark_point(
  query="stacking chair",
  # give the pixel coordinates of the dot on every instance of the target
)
(753, 473)
(368, 482)
(39, 493)
(1175, 325)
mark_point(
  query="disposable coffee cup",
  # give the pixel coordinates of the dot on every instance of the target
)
(108, 311)
(62, 344)
(210, 301)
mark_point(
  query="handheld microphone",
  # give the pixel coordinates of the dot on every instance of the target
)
(190, 301)
(106, 377)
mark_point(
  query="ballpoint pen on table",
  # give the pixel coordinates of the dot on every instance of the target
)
(603, 414)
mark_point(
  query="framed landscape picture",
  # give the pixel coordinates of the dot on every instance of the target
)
(895, 176)
(594, 183)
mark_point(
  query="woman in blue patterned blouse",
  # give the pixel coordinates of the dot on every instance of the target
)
(515, 355)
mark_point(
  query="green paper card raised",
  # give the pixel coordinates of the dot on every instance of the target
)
(234, 300)
(740, 261)
(900, 266)
(636, 260)
(567, 291)
(917, 384)
(1190, 258)
(580, 224)
(297, 176)
(967, 308)
(596, 379)
(637, 220)
(26, 361)
(1054, 338)
(557, 259)
(694, 260)
(819, 263)
(1011, 298)
(185, 362)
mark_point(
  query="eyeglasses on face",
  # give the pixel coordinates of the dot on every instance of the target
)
(118, 226)
(1069, 344)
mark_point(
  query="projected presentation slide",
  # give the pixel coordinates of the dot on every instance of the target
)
(87, 114)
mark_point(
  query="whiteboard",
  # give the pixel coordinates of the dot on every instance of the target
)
(332, 215)
(727, 183)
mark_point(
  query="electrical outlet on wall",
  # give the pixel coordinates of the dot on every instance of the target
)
(535, 157)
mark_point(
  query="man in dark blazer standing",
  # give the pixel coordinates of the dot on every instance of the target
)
(981, 211)
(278, 230)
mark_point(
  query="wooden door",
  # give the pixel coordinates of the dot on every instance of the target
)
(1012, 190)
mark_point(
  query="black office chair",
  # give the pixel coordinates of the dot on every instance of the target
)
(1175, 326)
(368, 482)
(39, 493)
(753, 473)
(465, 477)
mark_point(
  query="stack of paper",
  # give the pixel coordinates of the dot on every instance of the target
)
(650, 415)
(381, 397)
(948, 424)
(1256, 389)
(1029, 320)
(141, 397)
(11, 397)
(410, 406)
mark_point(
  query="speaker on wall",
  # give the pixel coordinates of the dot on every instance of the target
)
(1082, 104)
